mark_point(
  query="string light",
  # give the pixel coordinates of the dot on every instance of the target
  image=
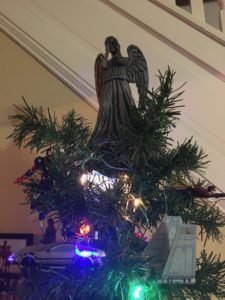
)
(126, 183)
(86, 252)
(84, 179)
(11, 258)
(137, 202)
(144, 291)
(85, 229)
(137, 291)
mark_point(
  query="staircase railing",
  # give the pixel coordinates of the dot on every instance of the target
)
(198, 9)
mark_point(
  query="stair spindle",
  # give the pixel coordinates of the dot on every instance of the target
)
(221, 4)
(197, 9)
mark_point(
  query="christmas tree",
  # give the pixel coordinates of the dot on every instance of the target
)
(114, 188)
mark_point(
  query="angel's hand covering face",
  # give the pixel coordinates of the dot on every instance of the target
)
(112, 45)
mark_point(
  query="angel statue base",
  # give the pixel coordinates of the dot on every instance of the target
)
(112, 78)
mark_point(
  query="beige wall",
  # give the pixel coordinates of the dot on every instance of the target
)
(21, 75)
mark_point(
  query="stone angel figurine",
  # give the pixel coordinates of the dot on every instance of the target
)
(112, 77)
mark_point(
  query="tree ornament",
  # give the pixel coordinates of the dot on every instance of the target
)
(173, 249)
(40, 165)
(96, 180)
(112, 78)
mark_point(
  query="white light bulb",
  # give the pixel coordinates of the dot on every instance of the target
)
(137, 202)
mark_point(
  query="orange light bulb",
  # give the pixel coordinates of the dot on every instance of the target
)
(85, 229)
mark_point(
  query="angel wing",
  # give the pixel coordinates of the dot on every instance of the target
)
(137, 70)
(99, 77)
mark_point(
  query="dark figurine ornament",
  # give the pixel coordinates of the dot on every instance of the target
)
(40, 165)
(112, 78)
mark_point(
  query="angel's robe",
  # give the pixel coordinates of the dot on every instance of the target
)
(116, 103)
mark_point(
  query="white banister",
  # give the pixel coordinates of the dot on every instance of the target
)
(197, 9)
(221, 4)
(203, 12)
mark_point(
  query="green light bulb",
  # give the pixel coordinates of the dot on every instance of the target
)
(138, 292)
(144, 290)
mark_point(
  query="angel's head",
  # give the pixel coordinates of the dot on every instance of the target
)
(112, 45)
